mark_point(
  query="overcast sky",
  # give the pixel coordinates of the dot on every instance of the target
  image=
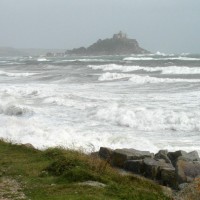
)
(171, 26)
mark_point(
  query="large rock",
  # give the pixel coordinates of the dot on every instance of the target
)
(190, 191)
(168, 177)
(162, 154)
(173, 156)
(193, 155)
(119, 156)
(152, 168)
(182, 155)
(135, 166)
(105, 153)
(186, 171)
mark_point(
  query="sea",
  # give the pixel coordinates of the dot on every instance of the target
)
(146, 102)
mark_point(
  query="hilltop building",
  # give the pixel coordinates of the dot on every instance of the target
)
(120, 35)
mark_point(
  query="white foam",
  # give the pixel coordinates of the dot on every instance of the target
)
(90, 60)
(42, 59)
(141, 79)
(160, 54)
(87, 113)
(14, 110)
(112, 76)
(138, 58)
(144, 119)
(12, 74)
(173, 70)
(113, 67)
(180, 70)
(165, 58)
(148, 79)
(163, 70)
(80, 60)
(184, 58)
(36, 131)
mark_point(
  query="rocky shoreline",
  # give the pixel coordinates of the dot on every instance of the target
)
(177, 173)
(172, 169)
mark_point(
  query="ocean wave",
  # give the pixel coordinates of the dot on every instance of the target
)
(170, 69)
(183, 58)
(148, 79)
(112, 67)
(138, 58)
(165, 58)
(163, 70)
(13, 110)
(81, 60)
(112, 76)
(12, 74)
(145, 119)
(175, 70)
(90, 60)
(42, 59)
(140, 79)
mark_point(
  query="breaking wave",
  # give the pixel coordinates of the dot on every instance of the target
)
(42, 59)
(138, 58)
(112, 67)
(139, 79)
(74, 105)
(13, 110)
(148, 79)
(163, 70)
(178, 70)
(17, 74)
(165, 58)
(142, 118)
(112, 76)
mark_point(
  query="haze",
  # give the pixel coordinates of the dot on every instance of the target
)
(170, 26)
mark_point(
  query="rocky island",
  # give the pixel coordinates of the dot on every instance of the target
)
(119, 44)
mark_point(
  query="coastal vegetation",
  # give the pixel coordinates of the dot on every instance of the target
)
(58, 174)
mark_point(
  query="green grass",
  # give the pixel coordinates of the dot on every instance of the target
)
(54, 174)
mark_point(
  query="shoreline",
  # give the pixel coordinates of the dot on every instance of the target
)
(172, 169)
(58, 173)
(165, 170)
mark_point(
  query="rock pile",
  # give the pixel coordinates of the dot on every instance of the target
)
(169, 168)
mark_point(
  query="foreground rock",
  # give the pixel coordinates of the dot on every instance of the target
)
(190, 191)
(119, 156)
(187, 170)
(169, 168)
(93, 184)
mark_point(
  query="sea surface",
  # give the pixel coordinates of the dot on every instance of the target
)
(146, 102)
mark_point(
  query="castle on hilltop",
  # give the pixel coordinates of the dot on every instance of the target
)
(119, 44)
(120, 35)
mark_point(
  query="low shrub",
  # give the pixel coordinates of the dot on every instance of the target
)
(78, 174)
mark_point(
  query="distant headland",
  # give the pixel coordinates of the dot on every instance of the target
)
(119, 44)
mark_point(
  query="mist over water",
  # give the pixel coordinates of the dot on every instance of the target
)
(147, 102)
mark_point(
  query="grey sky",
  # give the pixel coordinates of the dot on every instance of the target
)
(158, 25)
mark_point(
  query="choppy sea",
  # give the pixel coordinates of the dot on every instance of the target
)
(146, 102)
